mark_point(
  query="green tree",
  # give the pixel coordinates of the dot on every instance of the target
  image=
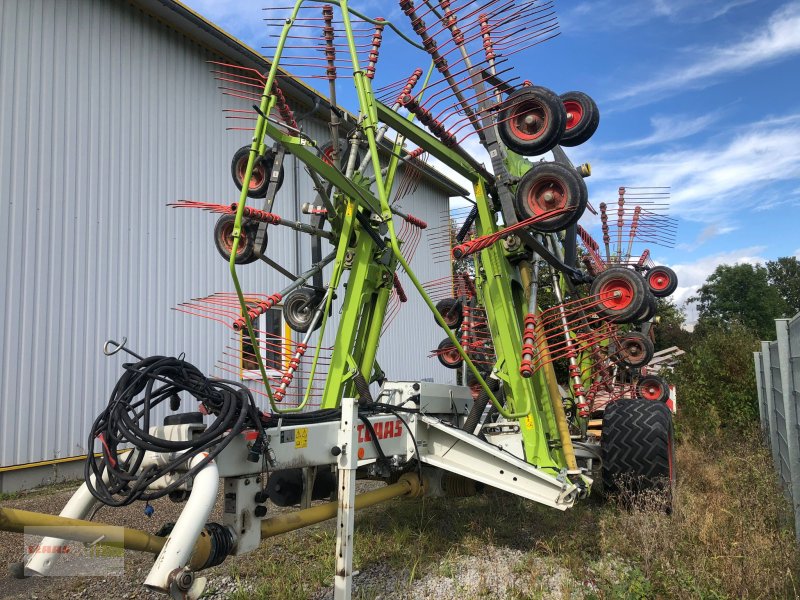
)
(715, 381)
(740, 294)
(669, 329)
(784, 274)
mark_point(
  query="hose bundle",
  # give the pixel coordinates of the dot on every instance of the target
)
(126, 422)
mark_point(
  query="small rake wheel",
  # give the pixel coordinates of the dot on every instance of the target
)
(223, 239)
(620, 293)
(448, 354)
(299, 307)
(532, 121)
(662, 281)
(452, 311)
(583, 117)
(653, 388)
(259, 179)
(548, 187)
(635, 349)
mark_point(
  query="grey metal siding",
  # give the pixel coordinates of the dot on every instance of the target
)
(105, 116)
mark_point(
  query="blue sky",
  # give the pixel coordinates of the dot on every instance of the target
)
(699, 95)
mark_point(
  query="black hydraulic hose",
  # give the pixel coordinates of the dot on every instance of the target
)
(476, 412)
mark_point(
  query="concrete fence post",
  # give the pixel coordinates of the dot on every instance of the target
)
(790, 414)
(770, 406)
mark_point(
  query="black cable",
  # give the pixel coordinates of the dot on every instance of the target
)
(118, 478)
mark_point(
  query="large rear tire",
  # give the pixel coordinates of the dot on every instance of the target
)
(638, 451)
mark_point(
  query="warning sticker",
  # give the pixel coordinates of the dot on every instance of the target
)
(529, 422)
(301, 438)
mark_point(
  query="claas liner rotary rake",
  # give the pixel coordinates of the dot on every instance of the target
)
(551, 330)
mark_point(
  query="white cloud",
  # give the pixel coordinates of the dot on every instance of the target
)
(692, 275)
(726, 175)
(617, 14)
(667, 128)
(777, 39)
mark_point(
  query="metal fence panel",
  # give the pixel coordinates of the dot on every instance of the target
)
(778, 386)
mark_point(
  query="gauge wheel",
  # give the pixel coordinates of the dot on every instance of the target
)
(653, 388)
(452, 312)
(531, 121)
(299, 307)
(223, 239)
(635, 349)
(662, 281)
(583, 117)
(620, 294)
(259, 179)
(548, 187)
(448, 354)
(649, 308)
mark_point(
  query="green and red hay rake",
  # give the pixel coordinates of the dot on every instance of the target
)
(549, 327)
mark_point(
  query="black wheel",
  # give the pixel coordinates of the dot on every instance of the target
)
(532, 120)
(583, 117)
(620, 293)
(452, 311)
(223, 239)
(649, 308)
(299, 307)
(638, 449)
(448, 354)
(635, 349)
(662, 281)
(259, 180)
(548, 187)
(653, 388)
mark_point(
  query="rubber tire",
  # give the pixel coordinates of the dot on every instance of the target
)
(645, 344)
(555, 115)
(453, 308)
(296, 320)
(638, 448)
(576, 192)
(671, 286)
(246, 252)
(650, 381)
(628, 313)
(585, 128)
(649, 308)
(446, 343)
(264, 162)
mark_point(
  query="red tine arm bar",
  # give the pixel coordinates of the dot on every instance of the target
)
(398, 287)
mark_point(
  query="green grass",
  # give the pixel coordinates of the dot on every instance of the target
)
(730, 536)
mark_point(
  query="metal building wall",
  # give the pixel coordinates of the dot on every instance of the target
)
(105, 116)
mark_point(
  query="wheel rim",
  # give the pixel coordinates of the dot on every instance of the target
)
(226, 239)
(658, 281)
(616, 293)
(633, 350)
(450, 355)
(650, 390)
(546, 195)
(529, 120)
(574, 113)
(257, 177)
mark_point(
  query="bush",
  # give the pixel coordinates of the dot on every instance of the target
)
(715, 381)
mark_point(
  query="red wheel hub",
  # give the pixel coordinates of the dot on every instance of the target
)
(547, 195)
(616, 293)
(226, 239)
(451, 355)
(574, 113)
(529, 120)
(651, 391)
(257, 177)
(658, 280)
(633, 349)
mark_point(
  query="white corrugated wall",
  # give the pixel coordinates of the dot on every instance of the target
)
(105, 116)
